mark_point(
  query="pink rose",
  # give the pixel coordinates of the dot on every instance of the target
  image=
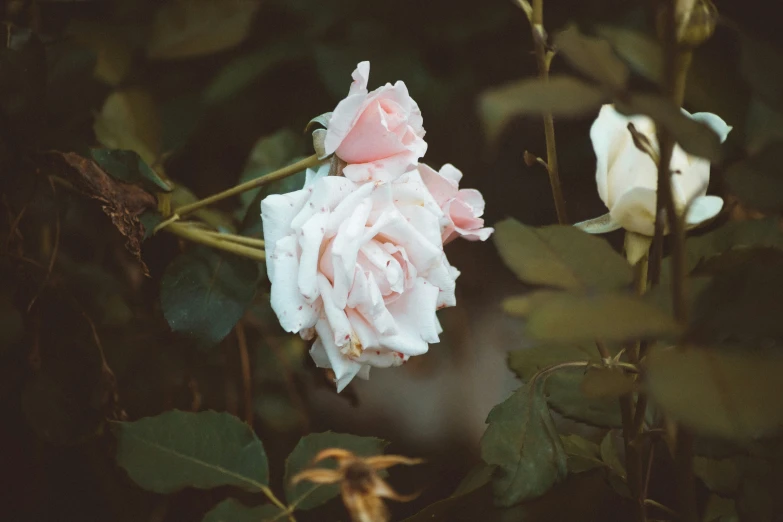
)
(360, 266)
(379, 134)
(462, 208)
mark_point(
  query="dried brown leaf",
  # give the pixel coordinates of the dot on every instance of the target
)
(122, 202)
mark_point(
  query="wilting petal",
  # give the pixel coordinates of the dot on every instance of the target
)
(318, 476)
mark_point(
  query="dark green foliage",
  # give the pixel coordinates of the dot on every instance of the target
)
(204, 293)
(177, 449)
(521, 440)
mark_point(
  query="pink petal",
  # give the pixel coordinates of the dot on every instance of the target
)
(442, 189)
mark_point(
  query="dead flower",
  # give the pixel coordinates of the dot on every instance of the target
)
(361, 487)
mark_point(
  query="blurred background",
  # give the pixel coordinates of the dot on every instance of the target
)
(140, 74)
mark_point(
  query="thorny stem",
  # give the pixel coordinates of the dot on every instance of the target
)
(542, 60)
(202, 237)
(677, 61)
(279, 174)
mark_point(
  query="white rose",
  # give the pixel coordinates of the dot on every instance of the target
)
(627, 177)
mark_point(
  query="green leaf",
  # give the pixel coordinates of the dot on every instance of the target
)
(733, 236)
(561, 95)
(204, 293)
(522, 441)
(241, 72)
(593, 57)
(560, 256)
(129, 120)
(750, 306)
(127, 166)
(640, 51)
(758, 180)
(610, 456)
(231, 510)
(693, 136)
(476, 478)
(561, 317)
(199, 27)
(270, 153)
(563, 390)
(307, 495)
(583, 454)
(205, 450)
(718, 392)
(149, 220)
(600, 382)
(720, 476)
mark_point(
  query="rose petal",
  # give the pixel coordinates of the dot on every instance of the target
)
(360, 78)
(293, 311)
(344, 368)
(310, 239)
(345, 250)
(635, 211)
(277, 212)
(703, 209)
(338, 321)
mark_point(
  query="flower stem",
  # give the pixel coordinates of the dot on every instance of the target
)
(204, 238)
(311, 161)
(543, 60)
(240, 240)
(676, 63)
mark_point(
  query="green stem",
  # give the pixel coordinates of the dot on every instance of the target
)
(677, 61)
(272, 498)
(311, 161)
(240, 240)
(199, 236)
(542, 60)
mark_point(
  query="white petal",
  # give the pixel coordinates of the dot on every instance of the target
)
(338, 321)
(311, 176)
(293, 311)
(277, 213)
(599, 225)
(703, 209)
(360, 78)
(715, 122)
(310, 239)
(635, 211)
(346, 207)
(345, 249)
(414, 314)
(344, 368)
(324, 195)
(364, 372)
